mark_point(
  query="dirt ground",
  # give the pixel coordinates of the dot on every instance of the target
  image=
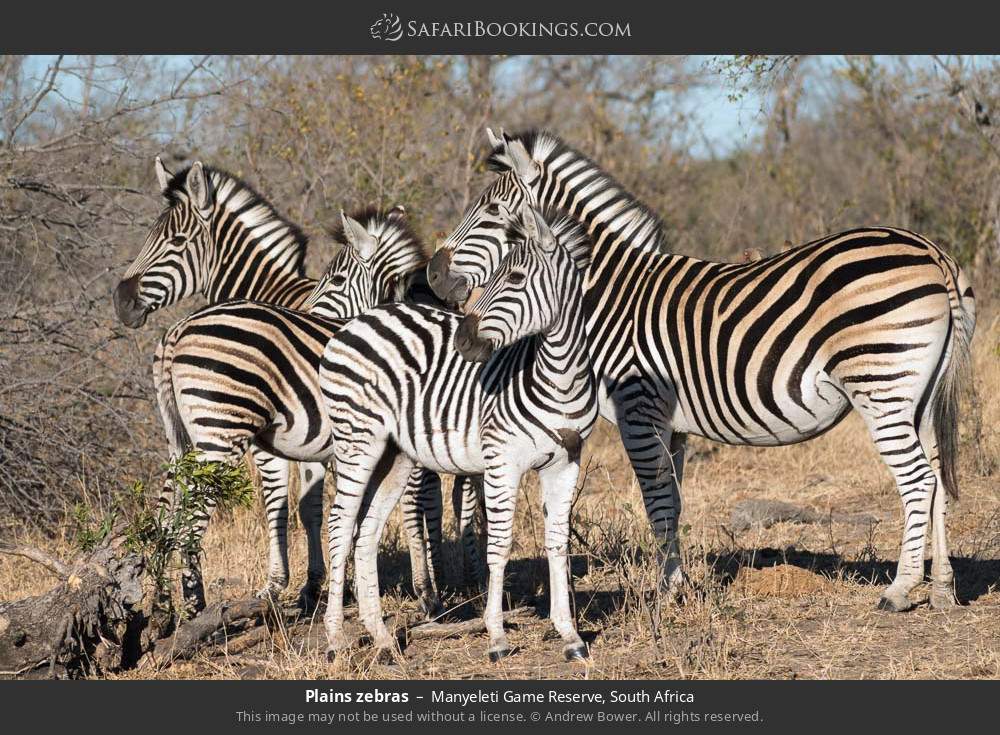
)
(795, 600)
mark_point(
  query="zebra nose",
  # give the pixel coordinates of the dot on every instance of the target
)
(448, 288)
(130, 311)
(468, 342)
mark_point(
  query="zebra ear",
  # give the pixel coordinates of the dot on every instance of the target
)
(358, 237)
(399, 211)
(543, 233)
(197, 186)
(495, 140)
(163, 176)
(529, 222)
(524, 166)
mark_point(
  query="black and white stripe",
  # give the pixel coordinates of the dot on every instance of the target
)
(399, 392)
(218, 237)
(765, 353)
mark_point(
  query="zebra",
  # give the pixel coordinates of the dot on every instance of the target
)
(504, 389)
(767, 353)
(218, 237)
(242, 373)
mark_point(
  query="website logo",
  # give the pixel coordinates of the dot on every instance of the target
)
(387, 28)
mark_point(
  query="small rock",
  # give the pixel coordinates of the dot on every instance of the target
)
(766, 513)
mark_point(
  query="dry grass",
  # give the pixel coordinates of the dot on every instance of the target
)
(809, 612)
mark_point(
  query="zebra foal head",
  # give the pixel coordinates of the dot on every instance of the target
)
(529, 291)
(466, 258)
(379, 253)
(173, 261)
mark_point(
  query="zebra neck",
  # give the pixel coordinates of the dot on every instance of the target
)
(612, 216)
(562, 362)
(259, 262)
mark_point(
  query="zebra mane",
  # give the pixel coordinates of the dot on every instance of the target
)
(251, 208)
(544, 146)
(568, 232)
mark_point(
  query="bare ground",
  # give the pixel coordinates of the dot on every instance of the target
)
(795, 600)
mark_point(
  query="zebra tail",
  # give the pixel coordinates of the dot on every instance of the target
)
(170, 415)
(946, 397)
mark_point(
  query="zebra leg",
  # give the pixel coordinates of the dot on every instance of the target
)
(657, 457)
(432, 510)
(311, 479)
(558, 485)
(500, 490)
(465, 496)
(942, 576)
(274, 474)
(902, 452)
(356, 464)
(413, 526)
(384, 501)
(192, 582)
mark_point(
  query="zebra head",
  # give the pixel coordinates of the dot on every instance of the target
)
(175, 260)
(379, 253)
(473, 251)
(527, 292)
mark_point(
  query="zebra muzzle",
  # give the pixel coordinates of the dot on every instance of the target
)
(131, 312)
(447, 287)
(468, 342)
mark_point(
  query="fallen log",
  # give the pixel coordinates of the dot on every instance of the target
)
(236, 624)
(465, 627)
(90, 622)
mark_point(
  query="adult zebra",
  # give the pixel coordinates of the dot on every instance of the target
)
(766, 353)
(241, 373)
(398, 393)
(218, 237)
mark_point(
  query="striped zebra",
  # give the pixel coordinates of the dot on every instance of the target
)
(218, 237)
(767, 353)
(241, 374)
(408, 384)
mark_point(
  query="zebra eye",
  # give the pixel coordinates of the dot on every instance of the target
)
(493, 209)
(178, 240)
(338, 280)
(516, 278)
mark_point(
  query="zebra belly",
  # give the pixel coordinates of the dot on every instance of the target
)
(823, 407)
(453, 451)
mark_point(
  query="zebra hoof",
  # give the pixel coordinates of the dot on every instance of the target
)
(576, 652)
(332, 654)
(500, 653)
(943, 599)
(268, 593)
(308, 599)
(433, 609)
(897, 605)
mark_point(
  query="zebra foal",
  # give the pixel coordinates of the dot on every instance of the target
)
(506, 389)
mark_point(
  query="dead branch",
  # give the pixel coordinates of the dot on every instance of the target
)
(39, 557)
(466, 627)
(236, 625)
